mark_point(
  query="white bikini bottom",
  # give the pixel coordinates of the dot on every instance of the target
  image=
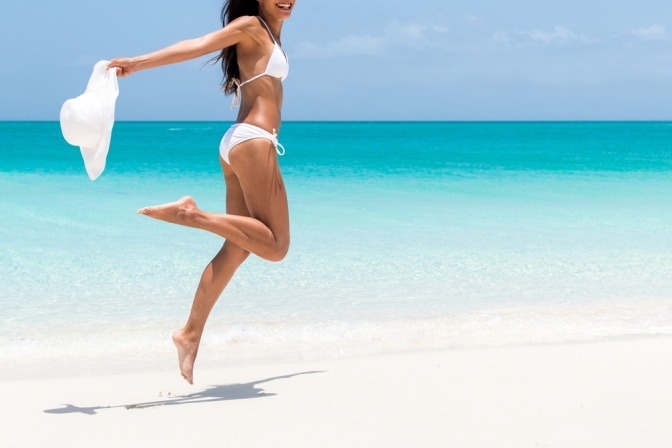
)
(242, 132)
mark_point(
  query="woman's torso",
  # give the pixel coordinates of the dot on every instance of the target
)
(263, 65)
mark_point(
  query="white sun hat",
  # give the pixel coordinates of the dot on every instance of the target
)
(87, 121)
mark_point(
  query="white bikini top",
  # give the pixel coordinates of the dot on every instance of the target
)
(277, 67)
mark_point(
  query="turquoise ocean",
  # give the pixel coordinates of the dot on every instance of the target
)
(405, 236)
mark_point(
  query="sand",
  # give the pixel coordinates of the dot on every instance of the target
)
(606, 394)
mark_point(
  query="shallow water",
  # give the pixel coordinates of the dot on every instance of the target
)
(404, 235)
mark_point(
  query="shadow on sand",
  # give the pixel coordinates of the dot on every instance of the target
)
(214, 393)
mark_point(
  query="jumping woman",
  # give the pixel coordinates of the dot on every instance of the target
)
(257, 217)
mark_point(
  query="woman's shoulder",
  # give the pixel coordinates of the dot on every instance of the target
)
(246, 22)
(250, 26)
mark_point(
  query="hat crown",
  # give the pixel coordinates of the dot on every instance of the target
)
(82, 120)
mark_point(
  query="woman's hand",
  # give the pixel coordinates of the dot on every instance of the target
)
(125, 66)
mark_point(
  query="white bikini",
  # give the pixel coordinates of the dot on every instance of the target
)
(277, 67)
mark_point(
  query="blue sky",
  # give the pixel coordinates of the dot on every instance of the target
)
(360, 60)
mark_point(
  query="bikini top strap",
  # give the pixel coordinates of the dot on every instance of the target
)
(267, 29)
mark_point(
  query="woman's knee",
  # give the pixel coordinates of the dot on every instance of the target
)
(279, 252)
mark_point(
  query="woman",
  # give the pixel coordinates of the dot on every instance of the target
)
(257, 218)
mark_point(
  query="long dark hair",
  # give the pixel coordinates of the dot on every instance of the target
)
(231, 10)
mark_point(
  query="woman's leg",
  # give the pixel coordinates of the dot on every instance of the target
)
(214, 279)
(266, 231)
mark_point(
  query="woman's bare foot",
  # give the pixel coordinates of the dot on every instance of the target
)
(175, 212)
(187, 349)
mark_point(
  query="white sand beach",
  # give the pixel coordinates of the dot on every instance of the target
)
(604, 394)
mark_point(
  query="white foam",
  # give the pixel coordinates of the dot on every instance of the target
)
(146, 345)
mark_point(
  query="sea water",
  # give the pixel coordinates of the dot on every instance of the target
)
(404, 236)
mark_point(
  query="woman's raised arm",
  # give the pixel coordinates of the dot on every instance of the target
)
(185, 50)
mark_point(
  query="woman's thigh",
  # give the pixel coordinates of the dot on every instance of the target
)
(235, 199)
(256, 167)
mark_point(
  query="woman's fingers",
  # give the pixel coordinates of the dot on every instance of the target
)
(113, 63)
(123, 66)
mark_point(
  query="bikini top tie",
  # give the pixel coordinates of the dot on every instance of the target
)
(277, 67)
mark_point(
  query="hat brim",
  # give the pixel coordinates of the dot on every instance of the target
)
(95, 158)
(104, 84)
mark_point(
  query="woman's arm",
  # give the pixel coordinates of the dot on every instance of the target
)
(231, 34)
